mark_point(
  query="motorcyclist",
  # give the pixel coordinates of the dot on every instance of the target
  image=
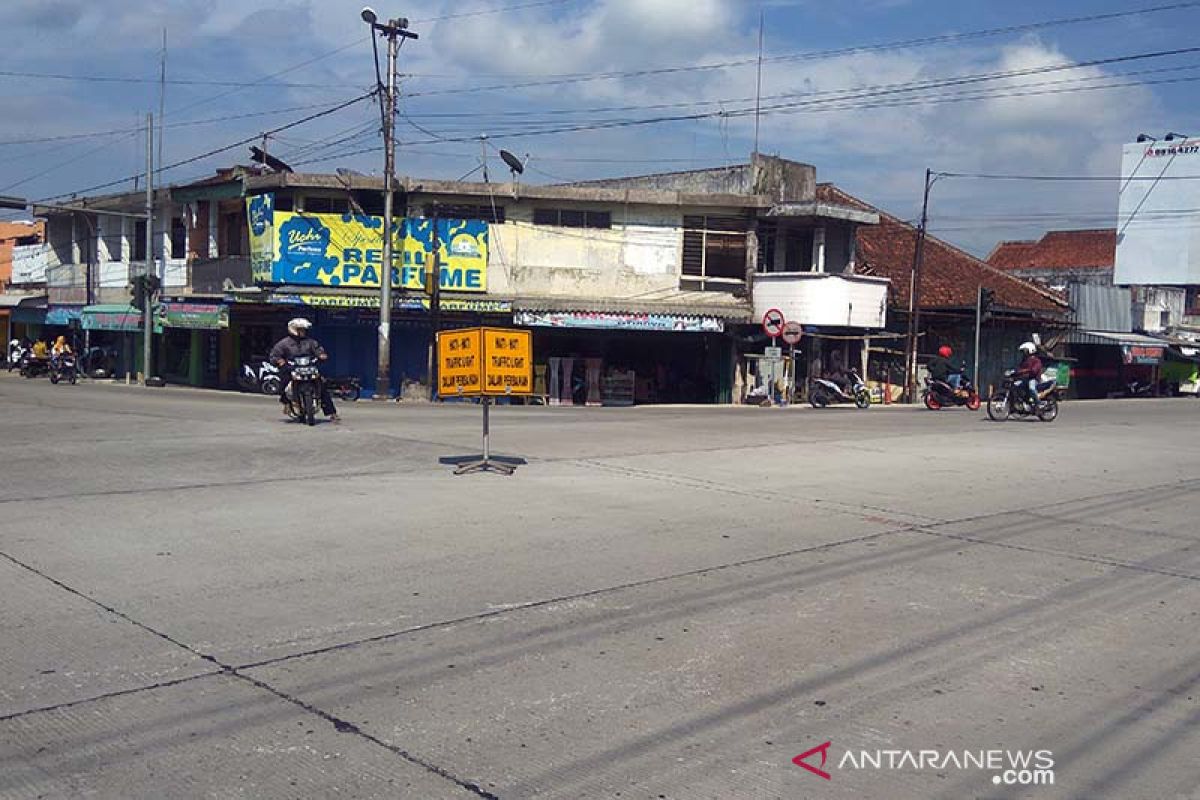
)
(943, 368)
(1029, 371)
(297, 343)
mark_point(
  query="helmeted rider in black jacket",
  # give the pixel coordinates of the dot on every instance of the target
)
(297, 343)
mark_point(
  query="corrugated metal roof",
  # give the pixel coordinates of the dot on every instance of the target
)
(1114, 338)
(1102, 308)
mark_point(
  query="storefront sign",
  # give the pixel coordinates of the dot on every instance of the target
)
(1141, 354)
(347, 249)
(197, 316)
(111, 318)
(63, 315)
(485, 361)
(615, 321)
(407, 303)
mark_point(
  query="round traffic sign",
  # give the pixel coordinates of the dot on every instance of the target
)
(773, 322)
(792, 332)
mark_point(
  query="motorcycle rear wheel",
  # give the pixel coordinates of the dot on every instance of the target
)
(863, 399)
(1047, 410)
(998, 407)
(817, 399)
(973, 401)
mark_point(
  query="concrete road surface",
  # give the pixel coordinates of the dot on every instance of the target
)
(199, 599)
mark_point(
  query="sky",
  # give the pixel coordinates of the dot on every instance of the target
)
(856, 89)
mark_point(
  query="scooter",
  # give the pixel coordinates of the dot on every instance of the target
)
(33, 367)
(304, 389)
(940, 394)
(344, 388)
(823, 392)
(261, 378)
(16, 354)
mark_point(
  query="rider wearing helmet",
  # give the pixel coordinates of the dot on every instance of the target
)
(942, 368)
(297, 343)
(1029, 371)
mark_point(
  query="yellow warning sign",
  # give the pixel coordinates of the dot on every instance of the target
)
(507, 362)
(487, 361)
(460, 363)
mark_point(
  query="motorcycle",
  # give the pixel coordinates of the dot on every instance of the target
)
(304, 389)
(823, 392)
(940, 394)
(263, 378)
(63, 367)
(34, 367)
(344, 388)
(1012, 398)
(16, 354)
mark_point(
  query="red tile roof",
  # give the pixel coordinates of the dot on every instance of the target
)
(950, 277)
(1092, 249)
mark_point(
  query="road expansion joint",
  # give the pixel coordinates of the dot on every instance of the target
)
(341, 725)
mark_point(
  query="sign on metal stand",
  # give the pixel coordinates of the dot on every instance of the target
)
(792, 333)
(485, 363)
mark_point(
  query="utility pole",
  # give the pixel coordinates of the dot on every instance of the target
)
(148, 311)
(758, 84)
(978, 320)
(914, 298)
(435, 300)
(395, 31)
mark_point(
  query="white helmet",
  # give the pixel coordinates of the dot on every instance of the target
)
(1028, 348)
(298, 324)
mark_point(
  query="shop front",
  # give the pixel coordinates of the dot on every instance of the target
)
(621, 358)
(112, 340)
(195, 345)
(1112, 364)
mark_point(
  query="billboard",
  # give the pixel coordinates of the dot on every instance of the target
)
(1158, 223)
(346, 250)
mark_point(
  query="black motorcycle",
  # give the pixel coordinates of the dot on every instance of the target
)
(34, 367)
(63, 368)
(344, 388)
(940, 394)
(304, 389)
(1012, 399)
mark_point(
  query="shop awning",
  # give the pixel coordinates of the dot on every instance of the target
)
(110, 318)
(15, 300)
(1136, 348)
(63, 315)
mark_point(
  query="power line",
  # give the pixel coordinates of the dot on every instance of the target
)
(223, 149)
(125, 79)
(486, 11)
(814, 55)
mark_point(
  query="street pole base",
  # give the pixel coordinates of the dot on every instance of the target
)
(486, 465)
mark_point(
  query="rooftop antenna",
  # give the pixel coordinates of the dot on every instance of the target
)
(483, 159)
(516, 165)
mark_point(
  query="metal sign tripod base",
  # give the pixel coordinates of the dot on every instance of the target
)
(486, 464)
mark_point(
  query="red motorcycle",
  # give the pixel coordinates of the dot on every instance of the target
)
(940, 394)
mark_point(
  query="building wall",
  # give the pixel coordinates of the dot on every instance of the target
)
(641, 254)
(1157, 309)
(1157, 220)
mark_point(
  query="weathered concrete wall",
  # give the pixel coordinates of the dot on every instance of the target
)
(641, 254)
(777, 178)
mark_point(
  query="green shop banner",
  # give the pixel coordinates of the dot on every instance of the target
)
(110, 318)
(197, 316)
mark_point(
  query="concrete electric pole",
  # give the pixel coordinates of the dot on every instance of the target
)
(395, 31)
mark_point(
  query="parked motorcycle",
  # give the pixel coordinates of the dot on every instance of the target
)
(304, 389)
(344, 388)
(1012, 398)
(940, 394)
(263, 377)
(33, 367)
(824, 392)
(63, 368)
(16, 353)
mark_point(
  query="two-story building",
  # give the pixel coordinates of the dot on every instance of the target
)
(646, 289)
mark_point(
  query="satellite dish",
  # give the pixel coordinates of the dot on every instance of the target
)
(513, 162)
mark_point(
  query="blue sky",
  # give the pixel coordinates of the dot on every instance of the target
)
(877, 153)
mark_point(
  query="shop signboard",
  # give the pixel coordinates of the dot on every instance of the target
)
(490, 362)
(110, 318)
(197, 316)
(346, 250)
(604, 320)
(1141, 354)
(403, 303)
